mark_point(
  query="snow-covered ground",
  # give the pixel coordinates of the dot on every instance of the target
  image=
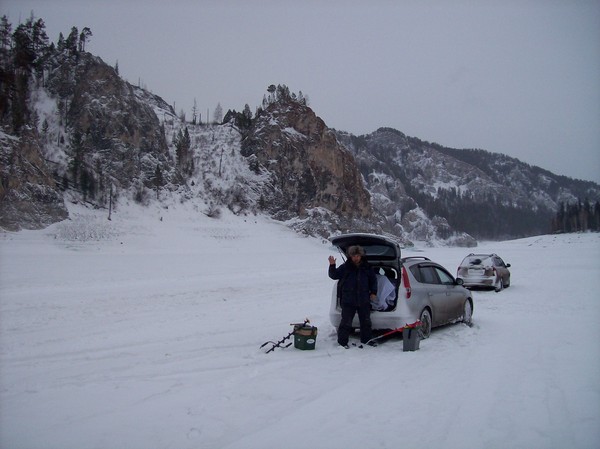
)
(145, 333)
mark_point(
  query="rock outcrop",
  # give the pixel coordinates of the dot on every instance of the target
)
(29, 197)
(308, 167)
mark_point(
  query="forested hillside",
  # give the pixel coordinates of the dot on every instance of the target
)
(488, 195)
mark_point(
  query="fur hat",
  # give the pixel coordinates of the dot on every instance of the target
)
(354, 250)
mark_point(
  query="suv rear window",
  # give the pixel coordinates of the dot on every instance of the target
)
(476, 260)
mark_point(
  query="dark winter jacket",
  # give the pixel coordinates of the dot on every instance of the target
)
(355, 283)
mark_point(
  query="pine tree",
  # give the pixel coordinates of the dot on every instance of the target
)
(218, 114)
(577, 217)
(85, 35)
(87, 184)
(23, 48)
(39, 37)
(158, 179)
(182, 144)
(194, 113)
(72, 40)
(247, 117)
(5, 33)
(60, 45)
(76, 163)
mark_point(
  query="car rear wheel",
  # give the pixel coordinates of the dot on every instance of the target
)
(499, 285)
(467, 313)
(426, 324)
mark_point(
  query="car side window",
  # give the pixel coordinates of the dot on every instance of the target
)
(445, 277)
(416, 273)
(428, 275)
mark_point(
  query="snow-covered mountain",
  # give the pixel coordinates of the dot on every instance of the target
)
(73, 130)
(487, 195)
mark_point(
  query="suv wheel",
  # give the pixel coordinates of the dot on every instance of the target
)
(499, 285)
(426, 327)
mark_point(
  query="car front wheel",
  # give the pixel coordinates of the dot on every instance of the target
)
(468, 313)
(426, 324)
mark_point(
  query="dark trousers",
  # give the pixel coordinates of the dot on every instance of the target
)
(364, 318)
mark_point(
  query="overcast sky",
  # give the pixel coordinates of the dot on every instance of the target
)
(519, 77)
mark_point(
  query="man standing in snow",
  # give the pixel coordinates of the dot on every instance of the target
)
(357, 287)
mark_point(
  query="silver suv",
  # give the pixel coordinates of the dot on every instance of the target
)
(420, 289)
(484, 271)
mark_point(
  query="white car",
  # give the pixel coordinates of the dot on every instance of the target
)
(421, 289)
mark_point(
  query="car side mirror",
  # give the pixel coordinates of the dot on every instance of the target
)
(459, 281)
(507, 265)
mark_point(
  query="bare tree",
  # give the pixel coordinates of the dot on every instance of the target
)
(194, 112)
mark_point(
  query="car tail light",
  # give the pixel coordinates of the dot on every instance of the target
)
(406, 283)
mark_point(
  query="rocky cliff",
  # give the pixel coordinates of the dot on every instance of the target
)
(309, 169)
(29, 197)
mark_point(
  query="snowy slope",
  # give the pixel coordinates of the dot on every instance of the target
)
(144, 332)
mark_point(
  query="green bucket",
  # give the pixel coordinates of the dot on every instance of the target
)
(305, 337)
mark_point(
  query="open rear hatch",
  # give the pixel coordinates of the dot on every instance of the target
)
(384, 256)
(377, 248)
